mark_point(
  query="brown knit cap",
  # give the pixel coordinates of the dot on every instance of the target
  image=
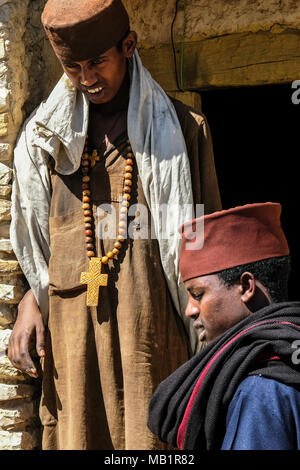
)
(232, 237)
(84, 29)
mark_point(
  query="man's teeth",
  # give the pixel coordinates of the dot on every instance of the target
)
(95, 90)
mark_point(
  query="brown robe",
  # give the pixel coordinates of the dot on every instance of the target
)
(103, 364)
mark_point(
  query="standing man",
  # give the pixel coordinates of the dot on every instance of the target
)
(242, 391)
(106, 151)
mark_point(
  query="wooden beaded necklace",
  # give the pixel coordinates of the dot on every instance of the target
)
(94, 278)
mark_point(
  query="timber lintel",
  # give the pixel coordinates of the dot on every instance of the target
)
(242, 59)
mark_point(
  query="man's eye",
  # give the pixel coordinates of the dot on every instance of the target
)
(97, 61)
(197, 297)
(71, 66)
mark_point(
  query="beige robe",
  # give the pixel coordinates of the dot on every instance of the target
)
(103, 364)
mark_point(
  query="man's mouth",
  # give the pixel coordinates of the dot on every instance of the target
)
(198, 325)
(202, 334)
(94, 91)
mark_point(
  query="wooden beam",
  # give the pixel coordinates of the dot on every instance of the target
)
(244, 59)
(190, 98)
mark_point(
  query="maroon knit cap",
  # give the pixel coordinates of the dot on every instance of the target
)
(84, 29)
(232, 237)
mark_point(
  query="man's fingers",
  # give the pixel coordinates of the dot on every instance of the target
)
(28, 327)
(23, 359)
(40, 341)
(13, 352)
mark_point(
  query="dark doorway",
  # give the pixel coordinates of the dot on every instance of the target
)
(256, 140)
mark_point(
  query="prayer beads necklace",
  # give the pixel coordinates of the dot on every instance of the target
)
(94, 278)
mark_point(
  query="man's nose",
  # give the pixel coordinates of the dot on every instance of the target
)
(192, 310)
(87, 76)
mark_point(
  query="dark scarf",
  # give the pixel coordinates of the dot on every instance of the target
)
(188, 409)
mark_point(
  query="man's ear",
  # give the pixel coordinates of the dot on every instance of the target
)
(247, 287)
(129, 44)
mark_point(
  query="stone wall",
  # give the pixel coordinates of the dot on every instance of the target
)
(19, 425)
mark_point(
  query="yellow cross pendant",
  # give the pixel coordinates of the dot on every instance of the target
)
(94, 279)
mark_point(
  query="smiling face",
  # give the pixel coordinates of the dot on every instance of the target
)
(100, 78)
(214, 307)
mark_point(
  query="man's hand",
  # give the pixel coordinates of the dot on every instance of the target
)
(29, 326)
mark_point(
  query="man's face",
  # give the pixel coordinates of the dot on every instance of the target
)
(100, 78)
(213, 306)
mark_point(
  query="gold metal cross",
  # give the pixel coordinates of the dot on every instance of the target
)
(94, 279)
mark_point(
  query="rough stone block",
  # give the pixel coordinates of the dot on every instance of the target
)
(6, 152)
(8, 315)
(10, 392)
(4, 120)
(6, 247)
(5, 174)
(5, 208)
(9, 268)
(5, 191)
(4, 339)
(19, 440)
(8, 371)
(4, 229)
(18, 414)
(11, 294)
(4, 99)
(3, 74)
(2, 49)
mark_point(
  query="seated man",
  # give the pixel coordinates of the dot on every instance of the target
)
(242, 390)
